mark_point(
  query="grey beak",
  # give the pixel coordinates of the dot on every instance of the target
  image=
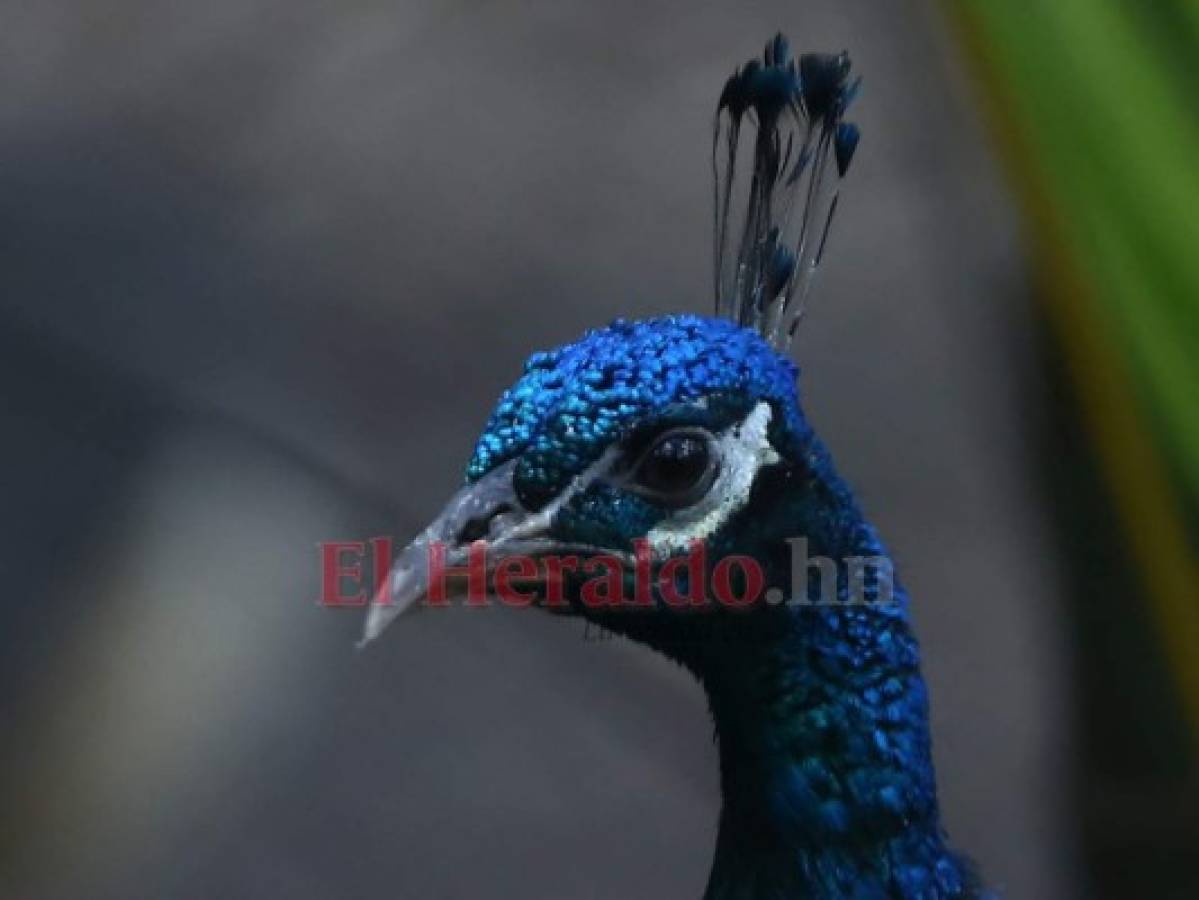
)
(487, 509)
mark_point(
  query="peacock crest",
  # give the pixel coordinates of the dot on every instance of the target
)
(795, 108)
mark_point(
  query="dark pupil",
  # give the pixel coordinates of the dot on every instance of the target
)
(675, 464)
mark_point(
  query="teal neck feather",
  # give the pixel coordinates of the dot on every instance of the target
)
(826, 770)
(826, 774)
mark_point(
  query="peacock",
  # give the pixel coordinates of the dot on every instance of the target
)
(651, 441)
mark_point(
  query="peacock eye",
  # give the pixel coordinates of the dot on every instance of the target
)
(677, 469)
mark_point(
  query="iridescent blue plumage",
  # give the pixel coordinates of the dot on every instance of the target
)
(574, 401)
(821, 712)
(683, 430)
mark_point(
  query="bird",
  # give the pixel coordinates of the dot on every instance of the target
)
(683, 438)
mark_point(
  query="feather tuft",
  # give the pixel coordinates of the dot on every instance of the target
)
(796, 109)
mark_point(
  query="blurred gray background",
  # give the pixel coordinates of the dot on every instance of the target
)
(265, 268)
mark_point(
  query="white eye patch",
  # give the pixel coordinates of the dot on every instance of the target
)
(743, 449)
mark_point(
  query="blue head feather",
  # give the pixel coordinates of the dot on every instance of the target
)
(574, 401)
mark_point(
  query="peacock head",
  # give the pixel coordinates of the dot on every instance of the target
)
(645, 442)
(681, 440)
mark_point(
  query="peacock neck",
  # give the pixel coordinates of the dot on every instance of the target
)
(825, 768)
(825, 760)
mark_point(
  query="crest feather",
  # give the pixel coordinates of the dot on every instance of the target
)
(796, 109)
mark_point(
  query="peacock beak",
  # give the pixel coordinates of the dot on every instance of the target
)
(487, 510)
